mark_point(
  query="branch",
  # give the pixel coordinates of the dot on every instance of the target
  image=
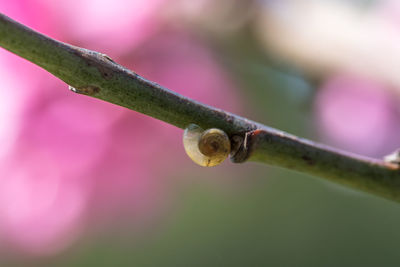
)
(96, 75)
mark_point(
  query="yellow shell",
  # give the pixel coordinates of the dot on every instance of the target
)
(206, 148)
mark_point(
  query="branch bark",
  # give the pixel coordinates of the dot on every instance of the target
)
(96, 75)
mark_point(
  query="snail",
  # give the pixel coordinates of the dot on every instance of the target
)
(207, 148)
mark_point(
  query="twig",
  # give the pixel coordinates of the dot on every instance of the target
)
(95, 74)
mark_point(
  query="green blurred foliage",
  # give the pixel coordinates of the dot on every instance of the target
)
(286, 219)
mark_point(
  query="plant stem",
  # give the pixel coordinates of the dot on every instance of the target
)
(96, 75)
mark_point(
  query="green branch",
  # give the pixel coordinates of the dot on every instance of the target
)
(96, 75)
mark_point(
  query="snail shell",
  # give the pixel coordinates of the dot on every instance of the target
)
(206, 148)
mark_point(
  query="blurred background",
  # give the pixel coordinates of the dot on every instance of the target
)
(87, 183)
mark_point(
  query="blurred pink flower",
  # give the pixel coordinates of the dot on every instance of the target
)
(357, 114)
(69, 161)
